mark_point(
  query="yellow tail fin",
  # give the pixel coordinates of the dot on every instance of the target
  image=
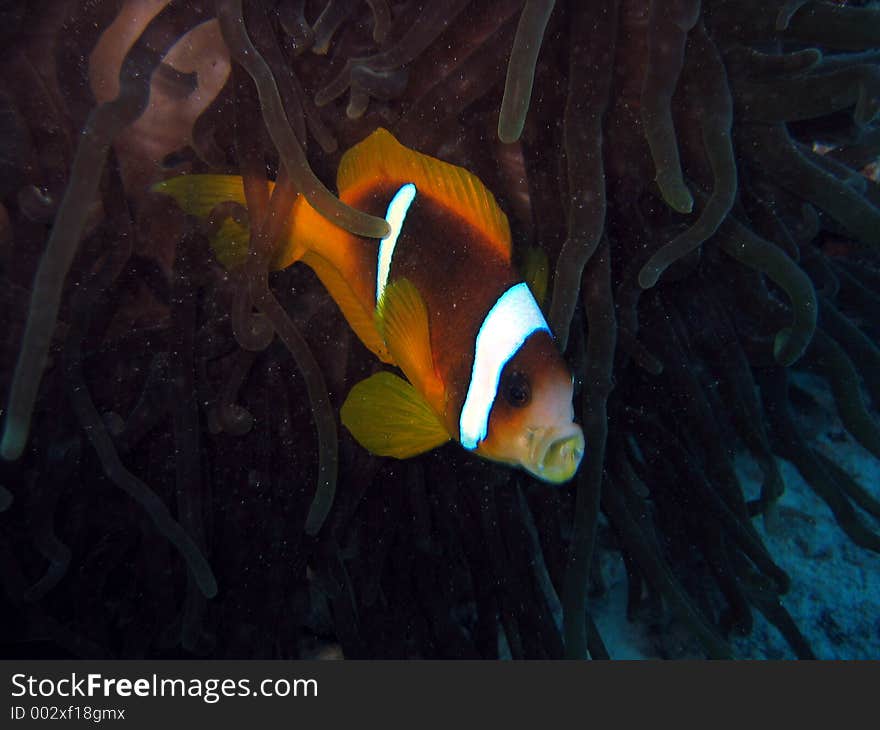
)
(199, 196)
(311, 238)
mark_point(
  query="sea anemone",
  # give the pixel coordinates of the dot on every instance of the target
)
(702, 179)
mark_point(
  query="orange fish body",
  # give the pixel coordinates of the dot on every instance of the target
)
(438, 297)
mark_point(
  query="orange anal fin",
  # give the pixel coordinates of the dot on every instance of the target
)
(358, 318)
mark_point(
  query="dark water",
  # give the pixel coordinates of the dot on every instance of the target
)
(702, 180)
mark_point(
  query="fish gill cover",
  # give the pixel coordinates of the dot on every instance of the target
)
(703, 179)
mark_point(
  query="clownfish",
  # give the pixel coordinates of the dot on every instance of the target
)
(438, 297)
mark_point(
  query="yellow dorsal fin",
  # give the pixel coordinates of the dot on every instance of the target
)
(388, 417)
(380, 157)
(402, 321)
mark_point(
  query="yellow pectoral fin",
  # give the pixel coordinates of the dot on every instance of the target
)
(402, 320)
(388, 417)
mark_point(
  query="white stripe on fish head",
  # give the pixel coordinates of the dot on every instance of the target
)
(512, 319)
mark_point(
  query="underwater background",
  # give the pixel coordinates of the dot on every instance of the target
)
(702, 178)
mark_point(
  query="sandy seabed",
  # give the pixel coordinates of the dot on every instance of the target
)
(835, 588)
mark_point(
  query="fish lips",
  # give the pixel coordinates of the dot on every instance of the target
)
(556, 453)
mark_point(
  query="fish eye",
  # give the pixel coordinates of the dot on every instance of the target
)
(516, 389)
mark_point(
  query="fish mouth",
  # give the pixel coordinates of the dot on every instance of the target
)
(556, 453)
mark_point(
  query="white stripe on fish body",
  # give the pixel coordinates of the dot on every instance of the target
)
(512, 319)
(396, 216)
